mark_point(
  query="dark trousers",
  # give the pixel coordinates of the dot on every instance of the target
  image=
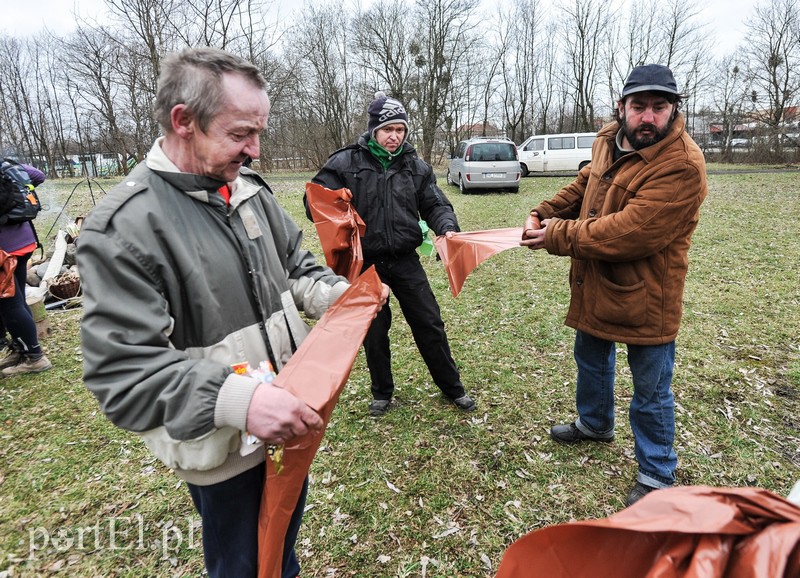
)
(15, 314)
(229, 511)
(409, 284)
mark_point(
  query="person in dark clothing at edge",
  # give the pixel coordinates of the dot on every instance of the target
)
(392, 189)
(627, 222)
(24, 353)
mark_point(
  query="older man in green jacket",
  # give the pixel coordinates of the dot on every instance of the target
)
(627, 222)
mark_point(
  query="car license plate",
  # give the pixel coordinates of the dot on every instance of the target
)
(493, 175)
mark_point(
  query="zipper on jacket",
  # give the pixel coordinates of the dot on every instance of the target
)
(262, 324)
(389, 213)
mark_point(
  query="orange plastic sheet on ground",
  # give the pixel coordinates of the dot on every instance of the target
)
(316, 373)
(683, 532)
(339, 227)
(462, 252)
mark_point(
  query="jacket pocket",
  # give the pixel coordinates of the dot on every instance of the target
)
(204, 453)
(621, 305)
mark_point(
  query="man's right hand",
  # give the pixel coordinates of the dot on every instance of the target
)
(275, 416)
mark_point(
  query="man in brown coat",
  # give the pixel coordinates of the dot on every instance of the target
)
(626, 222)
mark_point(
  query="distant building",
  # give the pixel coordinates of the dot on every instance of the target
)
(91, 165)
(479, 129)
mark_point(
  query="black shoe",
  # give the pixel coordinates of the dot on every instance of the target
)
(379, 407)
(638, 492)
(464, 403)
(569, 433)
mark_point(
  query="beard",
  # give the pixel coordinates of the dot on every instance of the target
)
(640, 141)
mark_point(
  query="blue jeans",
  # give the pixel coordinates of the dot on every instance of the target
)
(229, 511)
(652, 410)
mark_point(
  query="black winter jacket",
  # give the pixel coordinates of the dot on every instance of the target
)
(390, 201)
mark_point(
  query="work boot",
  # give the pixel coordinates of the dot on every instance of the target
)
(464, 403)
(28, 365)
(379, 407)
(569, 433)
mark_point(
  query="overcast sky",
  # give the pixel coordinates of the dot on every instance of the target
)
(26, 17)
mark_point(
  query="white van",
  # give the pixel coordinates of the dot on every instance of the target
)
(547, 153)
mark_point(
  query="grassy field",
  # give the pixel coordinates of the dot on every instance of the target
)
(426, 490)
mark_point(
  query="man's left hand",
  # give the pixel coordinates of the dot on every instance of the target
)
(534, 238)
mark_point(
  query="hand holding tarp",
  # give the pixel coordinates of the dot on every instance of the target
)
(275, 416)
(339, 227)
(532, 223)
(316, 375)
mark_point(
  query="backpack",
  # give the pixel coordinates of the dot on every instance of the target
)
(18, 199)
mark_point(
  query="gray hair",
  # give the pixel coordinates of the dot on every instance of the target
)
(194, 77)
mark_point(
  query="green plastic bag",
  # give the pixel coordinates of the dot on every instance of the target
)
(426, 248)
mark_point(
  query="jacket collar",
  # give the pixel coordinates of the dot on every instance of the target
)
(196, 186)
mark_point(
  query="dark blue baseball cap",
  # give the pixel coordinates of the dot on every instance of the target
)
(650, 78)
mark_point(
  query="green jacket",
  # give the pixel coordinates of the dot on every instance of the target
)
(627, 226)
(177, 288)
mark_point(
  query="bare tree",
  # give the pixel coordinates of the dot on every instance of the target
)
(582, 28)
(527, 71)
(774, 51)
(488, 64)
(546, 79)
(682, 34)
(96, 62)
(731, 98)
(443, 37)
(26, 99)
(641, 40)
(259, 38)
(520, 66)
(81, 140)
(55, 118)
(16, 101)
(326, 102)
(381, 40)
(149, 20)
(685, 51)
(672, 36)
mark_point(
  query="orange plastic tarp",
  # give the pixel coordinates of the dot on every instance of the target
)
(316, 373)
(462, 252)
(682, 532)
(8, 263)
(339, 227)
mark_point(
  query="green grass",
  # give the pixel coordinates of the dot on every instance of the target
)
(426, 490)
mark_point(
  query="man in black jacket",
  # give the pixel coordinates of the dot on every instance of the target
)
(392, 190)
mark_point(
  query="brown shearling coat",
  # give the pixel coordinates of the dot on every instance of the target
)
(627, 226)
